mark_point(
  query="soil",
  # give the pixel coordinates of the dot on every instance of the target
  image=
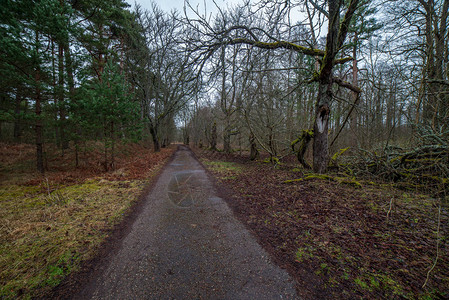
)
(337, 240)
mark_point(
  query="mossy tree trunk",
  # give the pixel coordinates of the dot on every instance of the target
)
(335, 39)
(322, 106)
(304, 141)
(254, 153)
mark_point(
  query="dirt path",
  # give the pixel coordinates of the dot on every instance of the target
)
(186, 244)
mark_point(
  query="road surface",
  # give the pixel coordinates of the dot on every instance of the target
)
(186, 244)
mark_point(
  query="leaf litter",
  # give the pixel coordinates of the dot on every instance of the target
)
(339, 240)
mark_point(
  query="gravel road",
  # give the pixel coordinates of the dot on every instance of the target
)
(186, 244)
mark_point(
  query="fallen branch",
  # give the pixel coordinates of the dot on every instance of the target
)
(340, 180)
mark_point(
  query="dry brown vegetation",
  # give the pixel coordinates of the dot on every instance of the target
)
(51, 224)
(340, 239)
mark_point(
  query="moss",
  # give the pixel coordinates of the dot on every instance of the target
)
(45, 229)
(304, 253)
(11, 192)
(379, 282)
(341, 180)
(292, 144)
(222, 166)
(398, 158)
(338, 154)
(273, 160)
(294, 180)
(358, 281)
(349, 181)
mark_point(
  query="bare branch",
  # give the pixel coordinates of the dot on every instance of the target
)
(319, 8)
(347, 85)
(277, 45)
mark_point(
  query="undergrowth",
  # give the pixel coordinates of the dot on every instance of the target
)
(341, 236)
(50, 225)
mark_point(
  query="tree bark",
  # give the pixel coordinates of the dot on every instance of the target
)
(17, 121)
(304, 141)
(38, 125)
(213, 140)
(322, 106)
(227, 140)
(320, 128)
(254, 153)
(355, 95)
(61, 104)
(335, 39)
(154, 134)
(227, 137)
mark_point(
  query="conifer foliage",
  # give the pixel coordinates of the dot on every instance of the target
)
(83, 70)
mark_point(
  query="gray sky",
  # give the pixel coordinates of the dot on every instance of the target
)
(169, 5)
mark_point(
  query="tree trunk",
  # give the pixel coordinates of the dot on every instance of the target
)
(227, 142)
(213, 140)
(185, 136)
(353, 117)
(320, 128)
(155, 137)
(304, 141)
(61, 104)
(38, 126)
(38, 111)
(254, 153)
(227, 138)
(430, 106)
(17, 121)
(335, 38)
(71, 84)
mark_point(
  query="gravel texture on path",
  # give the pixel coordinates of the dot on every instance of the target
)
(186, 244)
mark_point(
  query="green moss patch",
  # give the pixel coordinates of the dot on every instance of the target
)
(49, 228)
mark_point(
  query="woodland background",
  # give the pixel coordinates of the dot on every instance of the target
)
(342, 105)
(252, 76)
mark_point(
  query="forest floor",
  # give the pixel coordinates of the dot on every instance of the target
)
(50, 224)
(339, 239)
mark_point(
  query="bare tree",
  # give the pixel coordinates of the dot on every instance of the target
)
(249, 34)
(164, 79)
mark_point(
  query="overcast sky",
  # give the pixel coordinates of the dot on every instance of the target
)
(169, 5)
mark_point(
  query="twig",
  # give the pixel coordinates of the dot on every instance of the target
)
(438, 246)
(48, 187)
(391, 206)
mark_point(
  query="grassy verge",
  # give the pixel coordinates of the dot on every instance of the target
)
(50, 225)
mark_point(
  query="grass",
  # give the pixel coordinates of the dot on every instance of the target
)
(223, 167)
(45, 235)
(49, 226)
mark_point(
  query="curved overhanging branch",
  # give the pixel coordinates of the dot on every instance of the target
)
(347, 85)
(277, 45)
(343, 60)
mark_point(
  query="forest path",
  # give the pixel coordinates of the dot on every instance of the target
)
(186, 244)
